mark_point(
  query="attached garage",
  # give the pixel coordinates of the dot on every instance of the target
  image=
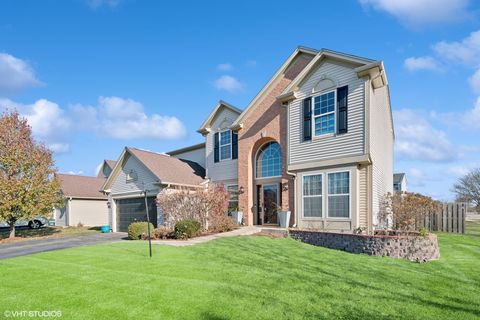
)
(133, 210)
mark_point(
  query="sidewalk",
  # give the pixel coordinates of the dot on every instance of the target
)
(242, 231)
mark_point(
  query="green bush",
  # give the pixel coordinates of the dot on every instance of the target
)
(139, 230)
(185, 229)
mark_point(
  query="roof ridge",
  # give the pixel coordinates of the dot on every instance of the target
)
(153, 152)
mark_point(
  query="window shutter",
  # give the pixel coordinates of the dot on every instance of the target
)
(342, 107)
(307, 119)
(234, 145)
(216, 148)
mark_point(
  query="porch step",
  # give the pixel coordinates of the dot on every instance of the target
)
(275, 231)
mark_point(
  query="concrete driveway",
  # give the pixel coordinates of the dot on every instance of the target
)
(22, 248)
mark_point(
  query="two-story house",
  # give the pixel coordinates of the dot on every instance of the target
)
(316, 140)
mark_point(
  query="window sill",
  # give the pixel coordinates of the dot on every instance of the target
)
(324, 136)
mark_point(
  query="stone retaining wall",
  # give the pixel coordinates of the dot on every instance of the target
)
(415, 248)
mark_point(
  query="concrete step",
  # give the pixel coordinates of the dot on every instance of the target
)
(275, 231)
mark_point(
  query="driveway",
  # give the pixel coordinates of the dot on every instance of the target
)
(22, 248)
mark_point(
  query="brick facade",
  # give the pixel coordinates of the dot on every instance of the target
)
(267, 121)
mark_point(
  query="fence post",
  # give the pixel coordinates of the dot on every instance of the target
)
(455, 217)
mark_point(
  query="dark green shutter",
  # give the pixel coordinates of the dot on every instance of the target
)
(216, 149)
(342, 107)
(234, 145)
(307, 119)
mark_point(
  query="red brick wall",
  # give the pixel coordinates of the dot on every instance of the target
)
(266, 122)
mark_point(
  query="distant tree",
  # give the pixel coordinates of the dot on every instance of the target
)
(467, 188)
(28, 186)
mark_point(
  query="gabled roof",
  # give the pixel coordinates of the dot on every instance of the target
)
(168, 170)
(363, 64)
(398, 177)
(186, 149)
(238, 124)
(81, 186)
(111, 163)
(205, 127)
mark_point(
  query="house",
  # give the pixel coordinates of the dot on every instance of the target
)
(137, 178)
(399, 182)
(316, 140)
(106, 168)
(84, 203)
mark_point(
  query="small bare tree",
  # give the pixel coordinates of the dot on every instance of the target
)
(28, 187)
(408, 208)
(467, 188)
(208, 206)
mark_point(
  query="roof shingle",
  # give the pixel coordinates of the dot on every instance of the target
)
(81, 186)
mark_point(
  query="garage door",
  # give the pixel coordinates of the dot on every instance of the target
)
(132, 210)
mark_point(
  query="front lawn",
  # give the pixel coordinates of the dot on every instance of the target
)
(244, 278)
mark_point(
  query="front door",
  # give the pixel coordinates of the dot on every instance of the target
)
(268, 196)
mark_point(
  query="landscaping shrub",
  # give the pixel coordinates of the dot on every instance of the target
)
(407, 209)
(205, 205)
(163, 232)
(223, 223)
(139, 230)
(187, 229)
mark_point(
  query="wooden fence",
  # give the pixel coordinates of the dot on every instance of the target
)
(451, 218)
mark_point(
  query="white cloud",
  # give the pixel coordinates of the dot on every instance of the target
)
(114, 117)
(415, 13)
(224, 67)
(474, 81)
(417, 139)
(466, 51)
(77, 173)
(15, 75)
(94, 4)
(120, 118)
(471, 118)
(421, 63)
(98, 168)
(458, 171)
(49, 122)
(229, 83)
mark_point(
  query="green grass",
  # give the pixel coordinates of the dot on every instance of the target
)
(244, 278)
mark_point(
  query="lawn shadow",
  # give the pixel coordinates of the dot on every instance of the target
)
(30, 233)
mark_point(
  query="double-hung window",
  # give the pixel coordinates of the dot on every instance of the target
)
(324, 114)
(225, 145)
(312, 196)
(339, 195)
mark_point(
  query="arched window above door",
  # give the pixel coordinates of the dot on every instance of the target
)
(269, 161)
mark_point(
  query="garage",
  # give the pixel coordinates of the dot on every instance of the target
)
(133, 210)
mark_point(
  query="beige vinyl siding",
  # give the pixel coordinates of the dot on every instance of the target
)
(145, 179)
(222, 170)
(381, 148)
(197, 155)
(363, 197)
(90, 213)
(321, 148)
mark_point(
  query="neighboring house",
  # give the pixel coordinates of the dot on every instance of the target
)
(140, 174)
(399, 182)
(106, 168)
(84, 203)
(317, 140)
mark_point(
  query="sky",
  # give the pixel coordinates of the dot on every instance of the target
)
(94, 76)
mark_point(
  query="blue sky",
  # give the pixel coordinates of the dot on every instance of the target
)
(93, 76)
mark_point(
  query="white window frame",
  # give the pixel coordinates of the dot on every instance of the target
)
(340, 194)
(334, 112)
(255, 163)
(322, 196)
(325, 213)
(220, 145)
